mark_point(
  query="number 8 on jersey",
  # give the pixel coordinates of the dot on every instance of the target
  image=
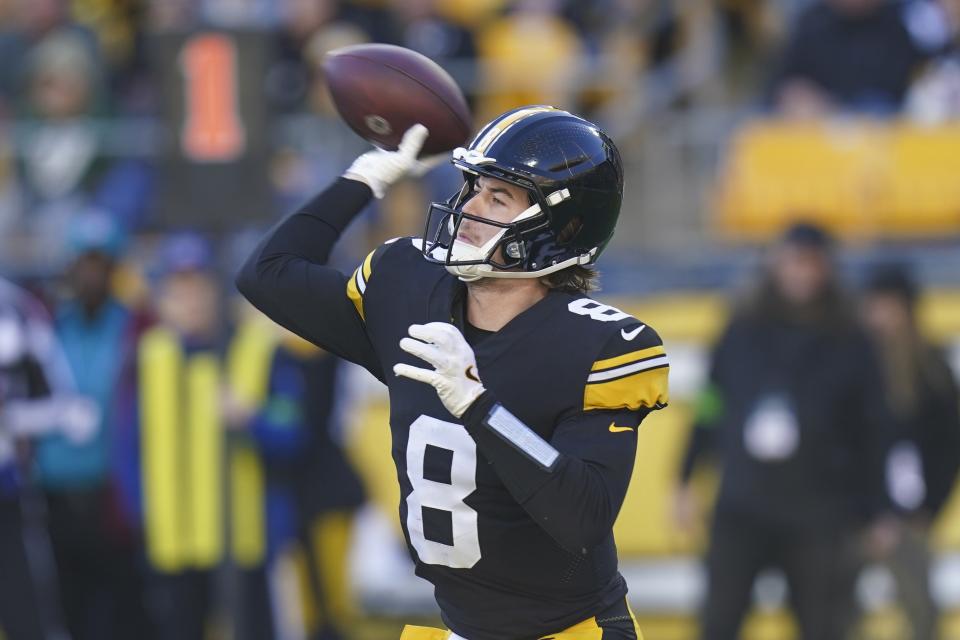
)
(441, 466)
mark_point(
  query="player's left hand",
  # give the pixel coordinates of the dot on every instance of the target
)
(454, 374)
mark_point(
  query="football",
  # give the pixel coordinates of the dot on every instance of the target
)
(381, 90)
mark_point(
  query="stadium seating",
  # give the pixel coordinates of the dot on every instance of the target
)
(862, 179)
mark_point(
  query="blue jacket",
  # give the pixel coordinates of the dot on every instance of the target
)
(96, 349)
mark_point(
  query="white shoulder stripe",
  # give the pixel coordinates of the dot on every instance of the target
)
(361, 283)
(609, 374)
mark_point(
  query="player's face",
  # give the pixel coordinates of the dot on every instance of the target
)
(494, 200)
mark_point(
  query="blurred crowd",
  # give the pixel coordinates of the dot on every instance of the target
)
(145, 458)
(86, 121)
(161, 445)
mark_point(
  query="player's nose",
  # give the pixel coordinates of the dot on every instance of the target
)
(473, 206)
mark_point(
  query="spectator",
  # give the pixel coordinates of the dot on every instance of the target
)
(311, 489)
(423, 29)
(935, 95)
(505, 42)
(317, 143)
(25, 26)
(181, 441)
(117, 29)
(799, 435)
(855, 55)
(291, 71)
(96, 554)
(925, 457)
(65, 164)
(36, 398)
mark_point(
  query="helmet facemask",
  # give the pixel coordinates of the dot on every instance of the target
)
(468, 262)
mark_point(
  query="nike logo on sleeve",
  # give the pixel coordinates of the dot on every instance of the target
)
(630, 335)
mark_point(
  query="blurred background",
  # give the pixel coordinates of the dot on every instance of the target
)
(174, 466)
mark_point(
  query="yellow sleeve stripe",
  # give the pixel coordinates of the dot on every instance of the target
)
(367, 268)
(353, 292)
(633, 356)
(644, 389)
(357, 285)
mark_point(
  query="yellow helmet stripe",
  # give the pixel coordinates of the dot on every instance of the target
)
(505, 123)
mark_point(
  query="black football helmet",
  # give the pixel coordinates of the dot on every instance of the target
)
(574, 177)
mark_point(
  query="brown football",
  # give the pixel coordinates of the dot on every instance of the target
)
(382, 90)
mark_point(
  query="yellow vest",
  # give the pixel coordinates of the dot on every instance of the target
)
(193, 503)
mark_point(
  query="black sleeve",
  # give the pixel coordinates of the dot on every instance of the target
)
(942, 419)
(873, 427)
(709, 409)
(702, 444)
(286, 277)
(704, 432)
(577, 498)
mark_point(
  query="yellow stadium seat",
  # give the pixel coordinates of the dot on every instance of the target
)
(779, 172)
(922, 193)
(861, 179)
(509, 84)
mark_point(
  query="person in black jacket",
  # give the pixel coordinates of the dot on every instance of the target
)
(924, 457)
(855, 55)
(797, 425)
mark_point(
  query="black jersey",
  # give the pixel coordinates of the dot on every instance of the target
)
(514, 550)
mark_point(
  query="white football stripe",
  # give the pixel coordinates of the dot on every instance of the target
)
(361, 283)
(627, 369)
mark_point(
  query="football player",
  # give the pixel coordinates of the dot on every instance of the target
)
(514, 397)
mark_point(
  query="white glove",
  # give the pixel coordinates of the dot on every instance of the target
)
(379, 169)
(76, 417)
(80, 419)
(454, 375)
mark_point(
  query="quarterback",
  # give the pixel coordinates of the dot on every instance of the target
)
(514, 397)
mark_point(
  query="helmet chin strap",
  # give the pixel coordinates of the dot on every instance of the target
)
(465, 252)
(474, 272)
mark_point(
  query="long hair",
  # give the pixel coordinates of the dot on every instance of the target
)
(578, 278)
(912, 367)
